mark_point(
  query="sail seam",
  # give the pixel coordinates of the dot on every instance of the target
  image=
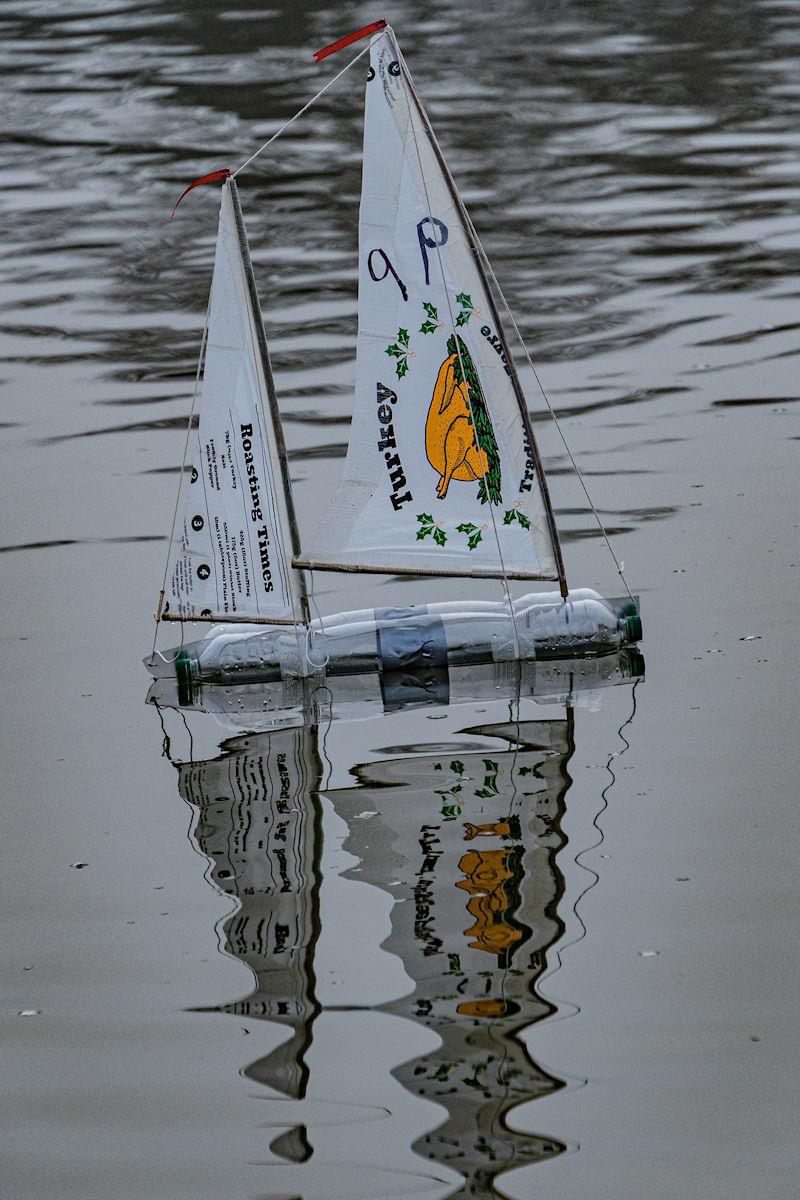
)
(273, 423)
(269, 497)
(467, 388)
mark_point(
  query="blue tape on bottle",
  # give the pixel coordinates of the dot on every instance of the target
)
(407, 646)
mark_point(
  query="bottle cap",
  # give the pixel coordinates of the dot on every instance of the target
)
(633, 627)
(186, 672)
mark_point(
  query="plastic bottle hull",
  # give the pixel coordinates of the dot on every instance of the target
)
(543, 626)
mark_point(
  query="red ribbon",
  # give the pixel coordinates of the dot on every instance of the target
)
(367, 31)
(212, 177)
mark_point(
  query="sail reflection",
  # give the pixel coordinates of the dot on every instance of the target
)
(472, 840)
(259, 824)
(465, 840)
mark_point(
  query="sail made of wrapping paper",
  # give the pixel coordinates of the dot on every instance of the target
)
(440, 467)
(232, 553)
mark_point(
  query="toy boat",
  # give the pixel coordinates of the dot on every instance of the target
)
(442, 477)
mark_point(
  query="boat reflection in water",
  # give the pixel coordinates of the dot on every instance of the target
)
(464, 835)
(259, 824)
(473, 841)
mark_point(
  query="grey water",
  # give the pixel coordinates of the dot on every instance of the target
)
(608, 1007)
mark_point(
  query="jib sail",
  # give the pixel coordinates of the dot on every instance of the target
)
(231, 557)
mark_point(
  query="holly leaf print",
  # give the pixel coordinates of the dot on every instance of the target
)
(399, 350)
(431, 310)
(428, 327)
(473, 539)
(426, 526)
(462, 318)
(514, 514)
(464, 300)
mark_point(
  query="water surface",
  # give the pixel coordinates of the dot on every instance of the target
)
(632, 170)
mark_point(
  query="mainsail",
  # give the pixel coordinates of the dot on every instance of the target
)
(232, 556)
(442, 474)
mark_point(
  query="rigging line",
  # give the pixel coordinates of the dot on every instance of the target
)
(166, 745)
(200, 360)
(488, 266)
(322, 743)
(467, 388)
(315, 666)
(305, 108)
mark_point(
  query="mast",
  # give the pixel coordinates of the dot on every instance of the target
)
(477, 256)
(274, 411)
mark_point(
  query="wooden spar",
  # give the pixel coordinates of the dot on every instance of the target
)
(229, 619)
(515, 383)
(274, 412)
(453, 572)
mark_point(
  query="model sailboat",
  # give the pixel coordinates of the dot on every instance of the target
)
(442, 474)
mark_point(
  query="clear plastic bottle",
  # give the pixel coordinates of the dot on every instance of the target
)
(449, 634)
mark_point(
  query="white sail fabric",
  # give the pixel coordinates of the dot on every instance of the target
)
(233, 554)
(430, 453)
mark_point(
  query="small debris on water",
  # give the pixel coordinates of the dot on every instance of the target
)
(682, 878)
(755, 1038)
(751, 637)
(648, 953)
(362, 816)
(29, 1012)
(78, 866)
